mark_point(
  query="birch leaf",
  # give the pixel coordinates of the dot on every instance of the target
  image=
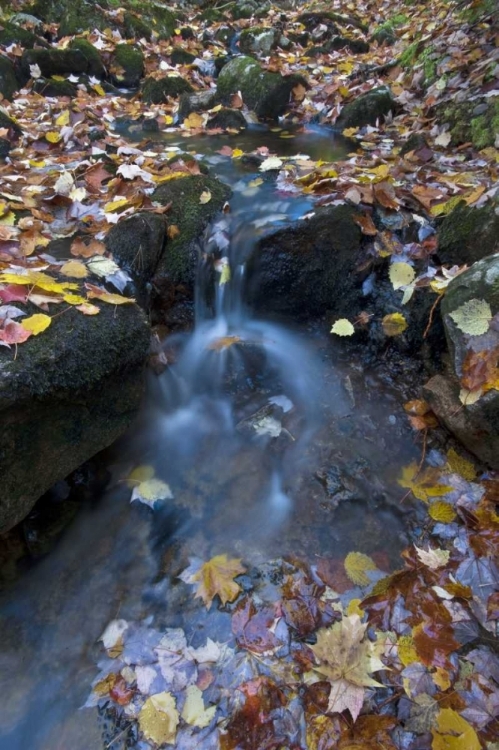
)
(158, 719)
(194, 712)
(401, 274)
(473, 317)
(343, 327)
(453, 732)
(150, 491)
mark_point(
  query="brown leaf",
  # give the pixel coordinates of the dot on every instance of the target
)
(80, 248)
(366, 224)
(384, 192)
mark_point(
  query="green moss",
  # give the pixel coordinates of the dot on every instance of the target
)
(50, 87)
(191, 217)
(95, 65)
(410, 55)
(468, 234)
(131, 59)
(156, 91)
(13, 34)
(367, 108)
(180, 56)
(465, 127)
(135, 27)
(79, 16)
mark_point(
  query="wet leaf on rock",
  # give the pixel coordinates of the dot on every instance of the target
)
(37, 323)
(473, 317)
(394, 324)
(356, 566)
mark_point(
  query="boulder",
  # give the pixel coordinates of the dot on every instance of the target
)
(135, 27)
(13, 129)
(181, 56)
(95, 66)
(228, 119)
(468, 234)
(475, 122)
(50, 87)
(367, 109)
(54, 61)
(356, 46)
(73, 17)
(128, 65)
(268, 94)
(307, 268)
(200, 101)
(68, 394)
(12, 33)
(158, 90)
(8, 81)
(258, 41)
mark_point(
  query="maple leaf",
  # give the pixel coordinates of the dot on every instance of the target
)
(346, 660)
(215, 577)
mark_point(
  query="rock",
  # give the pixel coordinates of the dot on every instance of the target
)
(268, 94)
(157, 90)
(416, 142)
(137, 245)
(260, 40)
(68, 394)
(50, 87)
(312, 19)
(135, 27)
(174, 279)
(54, 61)
(73, 18)
(180, 56)
(8, 81)
(200, 101)
(228, 119)
(128, 65)
(4, 148)
(11, 33)
(14, 131)
(307, 268)
(95, 66)
(367, 109)
(356, 46)
(468, 234)
(225, 34)
(384, 34)
(475, 426)
(475, 122)
(246, 9)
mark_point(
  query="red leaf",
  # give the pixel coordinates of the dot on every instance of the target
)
(14, 333)
(14, 293)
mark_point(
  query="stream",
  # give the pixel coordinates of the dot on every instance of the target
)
(273, 441)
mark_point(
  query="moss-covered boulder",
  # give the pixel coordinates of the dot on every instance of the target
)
(158, 90)
(54, 61)
(12, 33)
(367, 109)
(246, 9)
(228, 119)
(188, 217)
(13, 129)
(95, 66)
(200, 101)
(51, 87)
(73, 17)
(475, 122)
(128, 65)
(313, 19)
(268, 94)
(68, 393)
(258, 41)
(356, 46)
(160, 19)
(468, 234)
(476, 425)
(8, 81)
(135, 27)
(308, 268)
(181, 56)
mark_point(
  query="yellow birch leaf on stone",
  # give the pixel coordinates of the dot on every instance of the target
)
(215, 577)
(74, 269)
(453, 732)
(473, 317)
(468, 398)
(205, 197)
(401, 274)
(36, 323)
(53, 136)
(194, 712)
(356, 565)
(158, 719)
(37, 278)
(343, 327)
(394, 324)
(406, 650)
(442, 512)
(63, 118)
(459, 465)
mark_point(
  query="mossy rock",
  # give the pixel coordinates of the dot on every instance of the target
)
(68, 394)
(95, 66)
(54, 62)
(180, 56)
(367, 109)
(14, 130)
(11, 33)
(228, 119)
(160, 19)
(312, 19)
(211, 15)
(308, 268)
(244, 10)
(259, 40)
(8, 81)
(200, 101)
(129, 60)
(157, 90)
(475, 122)
(268, 94)
(179, 261)
(356, 46)
(5, 147)
(419, 56)
(385, 32)
(80, 16)
(468, 234)
(50, 87)
(135, 27)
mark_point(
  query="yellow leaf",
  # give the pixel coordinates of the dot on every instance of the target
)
(114, 205)
(255, 183)
(423, 485)
(349, 132)
(237, 153)
(394, 324)
(98, 89)
(111, 299)
(218, 345)
(168, 119)
(140, 474)
(401, 274)
(205, 197)
(356, 565)
(74, 299)
(406, 650)
(215, 577)
(194, 712)
(473, 317)
(53, 136)
(8, 220)
(453, 732)
(63, 118)
(354, 608)
(87, 309)
(57, 78)
(158, 719)
(150, 491)
(194, 121)
(442, 512)
(442, 209)
(344, 91)
(38, 279)
(74, 269)
(36, 323)
(343, 327)
(459, 465)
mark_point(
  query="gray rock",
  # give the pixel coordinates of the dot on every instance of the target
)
(367, 109)
(68, 394)
(468, 234)
(307, 268)
(201, 101)
(260, 40)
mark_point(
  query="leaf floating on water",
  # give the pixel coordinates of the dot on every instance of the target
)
(194, 711)
(433, 558)
(273, 162)
(268, 426)
(151, 491)
(218, 345)
(112, 637)
(343, 327)
(140, 474)
(401, 274)
(423, 485)
(473, 317)
(442, 512)
(356, 566)
(453, 732)
(158, 719)
(214, 578)
(37, 323)
(394, 324)
(459, 465)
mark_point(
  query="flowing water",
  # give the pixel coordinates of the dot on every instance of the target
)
(274, 443)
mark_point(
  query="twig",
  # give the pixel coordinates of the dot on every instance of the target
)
(432, 312)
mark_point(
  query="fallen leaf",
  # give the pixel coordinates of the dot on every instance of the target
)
(401, 274)
(36, 323)
(453, 732)
(473, 317)
(394, 324)
(74, 270)
(433, 558)
(14, 333)
(150, 491)
(218, 345)
(343, 327)
(273, 162)
(356, 565)
(194, 711)
(95, 292)
(159, 718)
(215, 577)
(205, 197)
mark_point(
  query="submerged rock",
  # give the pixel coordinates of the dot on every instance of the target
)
(69, 393)
(367, 109)
(307, 268)
(468, 234)
(228, 119)
(268, 94)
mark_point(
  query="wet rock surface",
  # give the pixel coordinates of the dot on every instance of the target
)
(468, 234)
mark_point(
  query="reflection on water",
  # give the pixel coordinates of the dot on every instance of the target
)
(266, 455)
